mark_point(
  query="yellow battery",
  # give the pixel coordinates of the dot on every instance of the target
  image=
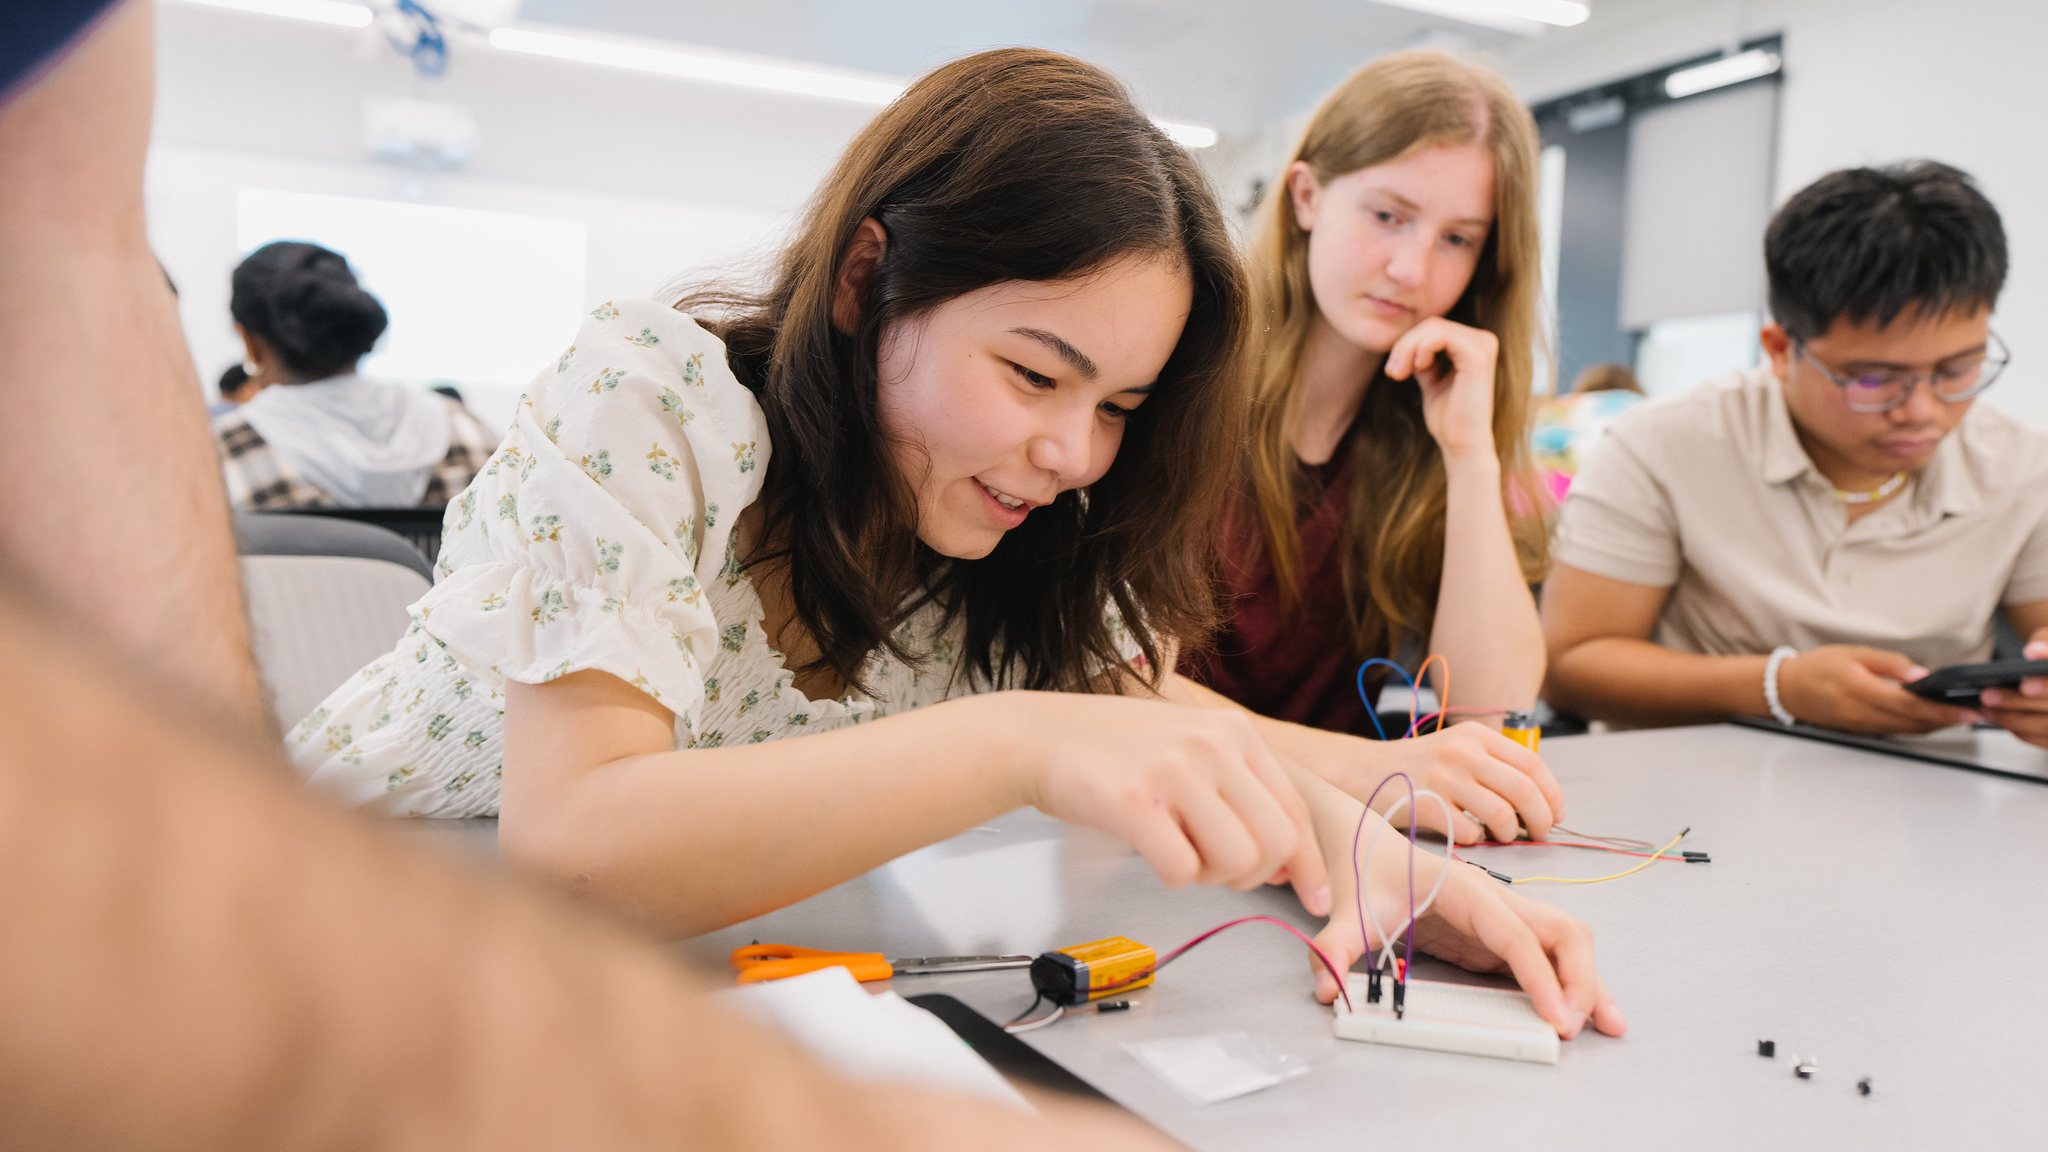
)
(1521, 727)
(1092, 971)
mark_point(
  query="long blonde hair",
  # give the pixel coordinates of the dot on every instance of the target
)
(1392, 542)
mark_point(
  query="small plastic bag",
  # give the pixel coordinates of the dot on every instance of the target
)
(1216, 1066)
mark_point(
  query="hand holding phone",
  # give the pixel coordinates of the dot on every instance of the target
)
(2022, 708)
(1857, 689)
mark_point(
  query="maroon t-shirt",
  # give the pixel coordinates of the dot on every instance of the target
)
(1296, 665)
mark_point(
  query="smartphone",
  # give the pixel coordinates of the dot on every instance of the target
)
(1959, 684)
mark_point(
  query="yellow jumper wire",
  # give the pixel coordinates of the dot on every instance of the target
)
(1618, 875)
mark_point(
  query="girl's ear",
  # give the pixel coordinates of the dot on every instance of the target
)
(1304, 192)
(856, 267)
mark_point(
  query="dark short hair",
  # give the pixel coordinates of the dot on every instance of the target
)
(1014, 164)
(306, 305)
(1868, 244)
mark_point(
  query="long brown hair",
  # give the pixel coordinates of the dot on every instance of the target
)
(1393, 537)
(1015, 164)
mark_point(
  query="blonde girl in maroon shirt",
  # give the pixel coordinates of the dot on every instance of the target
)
(1388, 510)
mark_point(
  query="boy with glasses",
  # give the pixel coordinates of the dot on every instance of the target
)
(1801, 539)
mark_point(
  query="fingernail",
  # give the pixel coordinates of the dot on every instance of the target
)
(1578, 1024)
(1317, 902)
(1917, 672)
(1991, 697)
(2032, 688)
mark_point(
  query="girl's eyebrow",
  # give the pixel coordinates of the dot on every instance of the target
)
(1075, 358)
(1407, 205)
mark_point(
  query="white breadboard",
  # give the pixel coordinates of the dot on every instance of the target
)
(1450, 1018)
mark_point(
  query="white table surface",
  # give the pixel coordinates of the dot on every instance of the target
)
(1886, 916)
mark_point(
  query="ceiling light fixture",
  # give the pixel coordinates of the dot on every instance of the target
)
(687, 65)
(1508, 15)
(1721, 73)
(797, 79)
(318, 11)
(682, 63)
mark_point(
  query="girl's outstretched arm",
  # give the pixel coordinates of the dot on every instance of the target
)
(1481, 772)
(595, 795)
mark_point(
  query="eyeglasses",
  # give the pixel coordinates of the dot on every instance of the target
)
(1953, 380)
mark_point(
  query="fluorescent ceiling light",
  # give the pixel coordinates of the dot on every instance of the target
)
(1187, 135)
(798, 79)
(683, 63)
(318, 11)
(691, 65)
(1508, 15)
(1720, 73)
(1562, 13)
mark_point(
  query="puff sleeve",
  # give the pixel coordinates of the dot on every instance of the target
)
(587, 540)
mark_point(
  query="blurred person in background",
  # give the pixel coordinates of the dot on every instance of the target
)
(1605, 378)
(316, 434)
(1567, 425)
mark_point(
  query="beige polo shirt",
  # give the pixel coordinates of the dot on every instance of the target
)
(1708, 492)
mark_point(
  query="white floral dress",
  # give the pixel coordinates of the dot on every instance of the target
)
(599, 536)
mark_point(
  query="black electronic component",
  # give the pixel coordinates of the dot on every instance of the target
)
(1114, 1006)
(1863, 1086)
(1521, 727)
(1400, 994)
(1767, 1048)
(1372, 986)
(1698, 858)
(1804, 1069)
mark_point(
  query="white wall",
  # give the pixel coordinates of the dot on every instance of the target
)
(668, 178)
(1867, 82)
(1239, 165)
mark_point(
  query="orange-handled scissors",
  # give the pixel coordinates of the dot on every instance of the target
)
(758, 962)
